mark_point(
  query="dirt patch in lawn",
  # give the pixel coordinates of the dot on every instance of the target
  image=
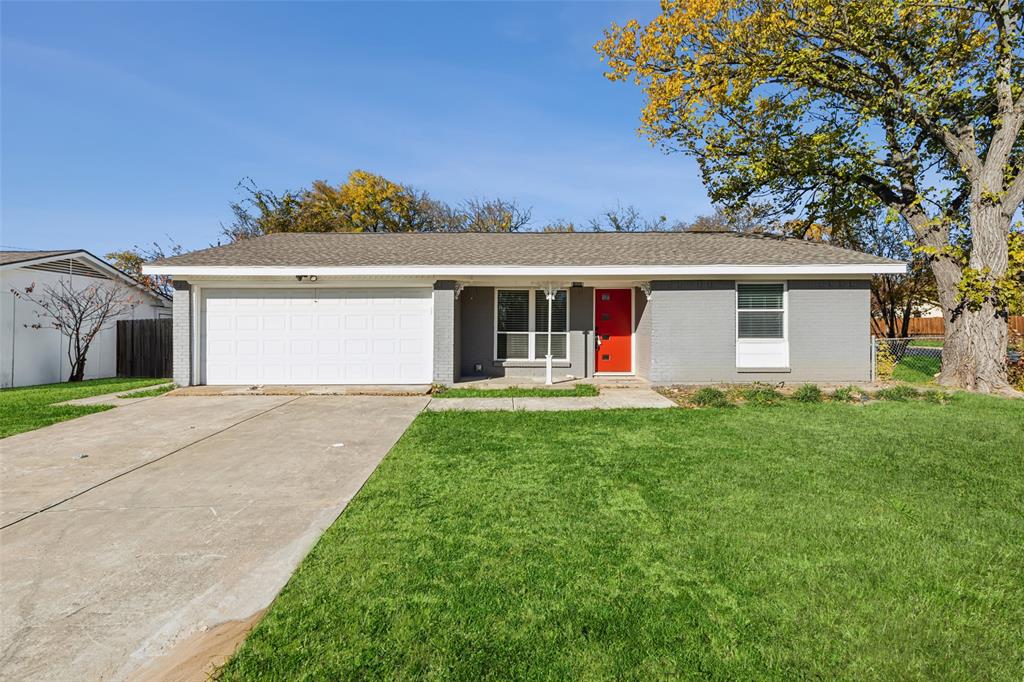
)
(196, 658)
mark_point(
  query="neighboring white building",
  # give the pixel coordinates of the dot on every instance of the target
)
(39, 356)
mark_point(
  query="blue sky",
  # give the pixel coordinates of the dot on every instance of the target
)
(123, 122)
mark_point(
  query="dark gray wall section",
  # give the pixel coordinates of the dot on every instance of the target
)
(693, 332)
(581, 309)
(476, 337)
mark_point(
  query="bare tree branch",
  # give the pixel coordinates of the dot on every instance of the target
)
(78, 314)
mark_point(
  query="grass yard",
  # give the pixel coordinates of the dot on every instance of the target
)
(577, 391)
(877, 541)
(917, 369)
(31, 407)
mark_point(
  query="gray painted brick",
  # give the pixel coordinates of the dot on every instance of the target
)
(181, 333)
(444, 332)
(693, 332)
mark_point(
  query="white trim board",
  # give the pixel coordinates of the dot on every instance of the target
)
(455, 271)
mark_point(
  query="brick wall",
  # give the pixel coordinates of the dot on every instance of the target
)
(182, 333)
(444, 332)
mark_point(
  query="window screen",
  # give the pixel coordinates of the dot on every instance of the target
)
(513, 311)
(559, 312)
(513, 346)
(523, 324)
(760, 312)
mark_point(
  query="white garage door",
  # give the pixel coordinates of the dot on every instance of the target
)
(317, 336)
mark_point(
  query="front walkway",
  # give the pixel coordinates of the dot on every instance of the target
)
(609, 399)
(602, 381)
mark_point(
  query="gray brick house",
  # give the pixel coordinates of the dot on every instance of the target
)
(416, 308)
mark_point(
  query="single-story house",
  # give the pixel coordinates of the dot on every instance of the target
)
(30, 355)
(417, 308)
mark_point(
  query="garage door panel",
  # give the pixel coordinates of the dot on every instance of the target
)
(329, 336)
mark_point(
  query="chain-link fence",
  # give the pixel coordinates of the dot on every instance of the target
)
(918, 358)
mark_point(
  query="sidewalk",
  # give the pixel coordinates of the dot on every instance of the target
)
(114, 398)
(609, 399)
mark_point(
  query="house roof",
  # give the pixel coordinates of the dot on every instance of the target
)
(522, 249)
(9, 257)
(74, 261)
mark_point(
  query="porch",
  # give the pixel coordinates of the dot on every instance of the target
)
(598, 332)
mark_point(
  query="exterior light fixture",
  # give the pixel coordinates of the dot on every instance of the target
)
(312, 278)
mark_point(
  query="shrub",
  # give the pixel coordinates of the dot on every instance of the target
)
(935, 396)
(710, 397)
(844, 394)
(897, 393)
(808, 393)
(885, 362)
(762, 394)
(1015, 364)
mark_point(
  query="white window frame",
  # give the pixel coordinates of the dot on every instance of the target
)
(770, 353)
(532, 332)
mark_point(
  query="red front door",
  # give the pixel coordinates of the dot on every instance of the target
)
(613, 310)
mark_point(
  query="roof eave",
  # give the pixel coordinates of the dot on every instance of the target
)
(455, 271)
(99, 263)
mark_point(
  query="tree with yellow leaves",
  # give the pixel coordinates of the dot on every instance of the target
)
(365, 202)
(832, 108)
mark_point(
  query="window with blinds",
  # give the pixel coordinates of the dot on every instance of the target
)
(760, 311)
(522, 324)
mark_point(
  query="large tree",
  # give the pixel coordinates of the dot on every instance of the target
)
(365, 202)
(130, 262)
(828, 107)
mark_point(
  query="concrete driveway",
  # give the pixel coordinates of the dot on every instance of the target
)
(184, 513)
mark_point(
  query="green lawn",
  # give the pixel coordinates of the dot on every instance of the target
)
(577, 391)
(917, 369)
(880, 541)
(31, 407)
(151, 393)
(927, 343)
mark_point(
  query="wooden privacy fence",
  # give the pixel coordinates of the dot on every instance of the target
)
(144, 348)
(934, 326)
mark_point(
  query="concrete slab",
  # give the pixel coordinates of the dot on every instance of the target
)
(620, 398)
(311, 389)
(40, 468)
(115, 398)
(472, 404)
(108, 581)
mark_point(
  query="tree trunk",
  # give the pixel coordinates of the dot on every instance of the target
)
(78, 370)
(905, 324)
(974, 351)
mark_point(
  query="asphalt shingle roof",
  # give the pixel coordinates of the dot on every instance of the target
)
(7, 257)
(522, 249)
